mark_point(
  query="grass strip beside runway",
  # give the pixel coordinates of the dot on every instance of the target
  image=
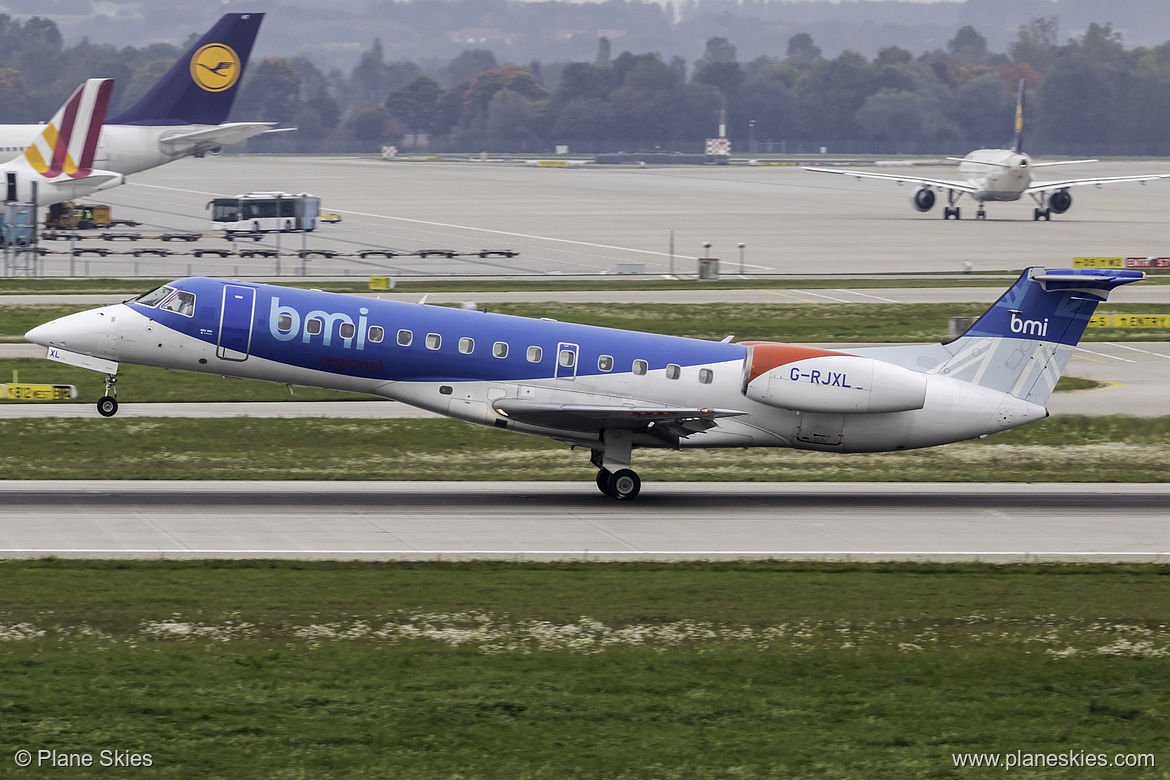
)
(1059, 449)
(505, 670)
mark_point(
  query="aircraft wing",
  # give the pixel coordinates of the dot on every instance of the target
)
(946, 184)
(672, 421)
(211, 137)
(1049, 186)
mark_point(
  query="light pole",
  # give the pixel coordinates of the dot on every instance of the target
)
(751, 136)
(740, 245)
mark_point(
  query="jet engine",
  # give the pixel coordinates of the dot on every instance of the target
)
(830, 382)
(922, 198)
(1059, 201)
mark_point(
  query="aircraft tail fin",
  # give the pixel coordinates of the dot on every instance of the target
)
(67, 145)
(1022, 344)
(1018, 146)
(200, 88)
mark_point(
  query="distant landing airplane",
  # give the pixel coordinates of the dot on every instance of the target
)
(610, 391)
(997, 175)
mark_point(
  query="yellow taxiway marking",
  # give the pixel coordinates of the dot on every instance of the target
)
(786, 295)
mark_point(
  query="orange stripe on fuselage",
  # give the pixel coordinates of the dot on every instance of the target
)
(767, 355)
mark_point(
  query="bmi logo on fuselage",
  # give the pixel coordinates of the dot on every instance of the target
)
(285, 324)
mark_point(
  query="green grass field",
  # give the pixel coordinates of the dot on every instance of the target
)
(506, 670)
(1059, 449)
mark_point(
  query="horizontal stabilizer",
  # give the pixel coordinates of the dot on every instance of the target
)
(211, 137)
(579, 417)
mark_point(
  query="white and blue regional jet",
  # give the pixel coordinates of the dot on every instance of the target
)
(609, 390)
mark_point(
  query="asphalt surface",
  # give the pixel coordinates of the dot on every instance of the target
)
(601, 219)
(556, 520)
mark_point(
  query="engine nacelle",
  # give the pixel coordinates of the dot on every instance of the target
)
(922, 199)
(1059, 201)
(835, 383)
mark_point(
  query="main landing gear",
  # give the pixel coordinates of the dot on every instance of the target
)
(623, 484)
(615, 478)
(951, 210)
(107, 405)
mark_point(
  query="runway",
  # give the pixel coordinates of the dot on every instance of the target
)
(560, 521)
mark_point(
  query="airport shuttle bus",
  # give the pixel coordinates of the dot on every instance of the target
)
(265, 212)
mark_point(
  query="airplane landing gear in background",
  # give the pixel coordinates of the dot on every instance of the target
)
(981, 213)
(107, 405)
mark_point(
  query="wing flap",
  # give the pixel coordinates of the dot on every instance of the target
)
(946, 184)
(1048, 186)
(638, 419)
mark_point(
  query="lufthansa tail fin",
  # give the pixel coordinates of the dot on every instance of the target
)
(200, 88)
(1018, 146)
(67, 145)
(1022, 344)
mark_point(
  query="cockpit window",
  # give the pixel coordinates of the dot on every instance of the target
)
(181, 302)
(153, 297)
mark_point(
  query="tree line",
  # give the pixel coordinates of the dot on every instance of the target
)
(1089, 95)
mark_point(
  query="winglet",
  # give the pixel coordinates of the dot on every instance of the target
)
(1018, 148)
(200, 88)
(68, 143)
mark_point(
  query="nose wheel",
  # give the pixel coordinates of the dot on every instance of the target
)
(107, 405)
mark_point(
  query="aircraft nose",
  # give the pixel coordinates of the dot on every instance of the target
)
(41, 334)
(87, 332)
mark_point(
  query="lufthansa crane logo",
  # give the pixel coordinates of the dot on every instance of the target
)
(215, 67)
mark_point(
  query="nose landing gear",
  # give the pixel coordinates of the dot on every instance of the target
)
(107, 405)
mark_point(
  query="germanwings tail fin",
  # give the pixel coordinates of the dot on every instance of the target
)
(67, 145)
(200, 88)
(1018, 146)
(1022, 344)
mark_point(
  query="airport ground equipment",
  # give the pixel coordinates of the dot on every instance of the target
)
(265, 212)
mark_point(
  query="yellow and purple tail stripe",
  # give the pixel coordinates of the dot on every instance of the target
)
(68, 144)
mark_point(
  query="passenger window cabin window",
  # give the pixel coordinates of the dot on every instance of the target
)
(434, 341)
(534, 354)
(375, 334)
(605, 363)
(500, 349)
(181, 302)
(347, 330)
(313, 326)
(673, 371)
(405, 337)
(284, 323)
(706, 375)
(466, 345)
(640, 367)
(567, 358)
